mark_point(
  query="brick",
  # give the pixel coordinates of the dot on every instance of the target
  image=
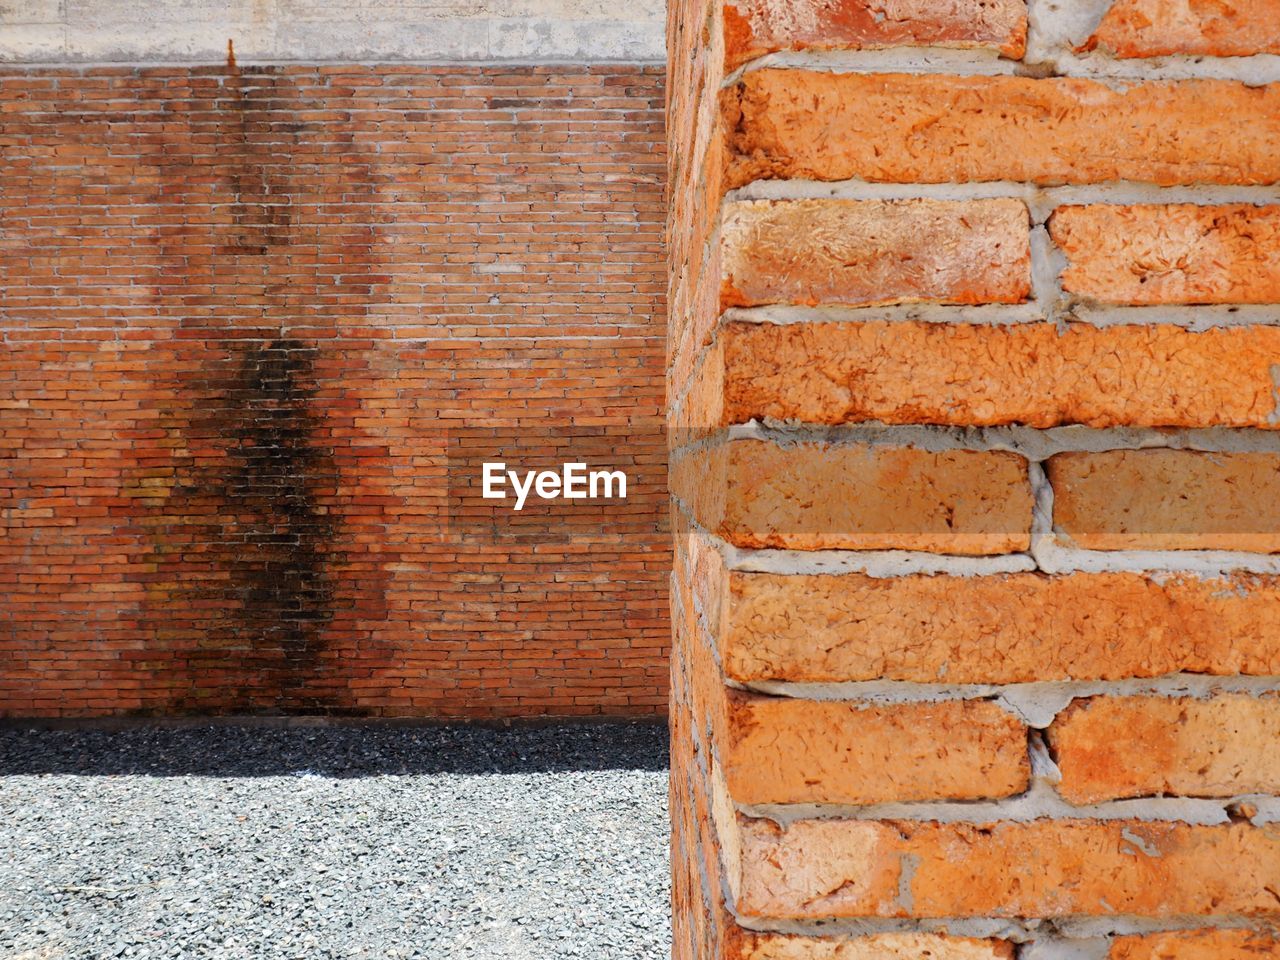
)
(904, 128)
(987, 375)
(1158, 28)
(1196, 945)
(242, 311)
(785, 750)
(820, 497)
(1173, 253)
(1167, 500)
(813, 869)
(1112, 747)
(875, 252)
(884, 946)
(1011, 628)
(754, 28)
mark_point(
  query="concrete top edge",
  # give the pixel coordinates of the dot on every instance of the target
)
(137, 32)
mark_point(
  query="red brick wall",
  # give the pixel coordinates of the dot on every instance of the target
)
(245, 315)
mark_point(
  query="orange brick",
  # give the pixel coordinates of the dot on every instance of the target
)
(986, 375)
(1158, 28)
(884, 946)
(754, 28)
(904, 128)
(818, 497)
(1175, 253)
(875, 252)
(1045, 868)
(1196, 945)
(1013, 628)
(785, 750)
(1111, 747)
(1167, 500)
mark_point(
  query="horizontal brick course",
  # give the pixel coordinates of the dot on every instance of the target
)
(1012, 628)
(1158, 28)
(1174, 253)
(1167, 500)
(1046, 868)
(754, 28)
(1196, 945)
(875, 252)
(818, 497)
(784, 750)
(885, 946)
(1112, 747)
(988, 375)
(902, 128)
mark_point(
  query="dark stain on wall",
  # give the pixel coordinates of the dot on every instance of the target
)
(247, 531)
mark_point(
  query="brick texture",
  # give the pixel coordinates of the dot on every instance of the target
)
(1167, 500)
(973, 387)
(249, 314)
(753, 28)
(817, 497)
(942, 129)
(1170, 253)
(1012, 628)
(963, 374)
(1157, 28)
(875, 252)
(1109, 747)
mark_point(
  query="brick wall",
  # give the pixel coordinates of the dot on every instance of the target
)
(974, 380)
(250, 318)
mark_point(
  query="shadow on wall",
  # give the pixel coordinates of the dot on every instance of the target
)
(350, 750)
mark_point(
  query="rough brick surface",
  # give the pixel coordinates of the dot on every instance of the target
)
(1197, 945)
(937, 129)
(783, 750)
(1109, 747)
(755, 27)
(1167, 500)
(918, 288)
(1175, 253)
(1157, 28)
(1014, 628)
(245, 312)
(1054, 868)
(985, 375)
(875, 252)
(818, 497)
(885, 946)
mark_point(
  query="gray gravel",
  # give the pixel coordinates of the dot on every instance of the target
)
(231, 842)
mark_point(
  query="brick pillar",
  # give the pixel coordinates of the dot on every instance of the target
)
(974, 392)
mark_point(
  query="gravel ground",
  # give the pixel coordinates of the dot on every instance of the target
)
(230, 842)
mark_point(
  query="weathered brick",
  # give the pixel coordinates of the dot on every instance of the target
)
(884, 946)
(1174, 253)
(818, 497)
(754, 28)
(904, 128)
(1158, 28)
(875, 252)
(987, 375)
(1111, 747)
(1044, 868)
(1167, 500)
(1012, 628)
(1197, 945)
(786, 750)
(243, 311)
